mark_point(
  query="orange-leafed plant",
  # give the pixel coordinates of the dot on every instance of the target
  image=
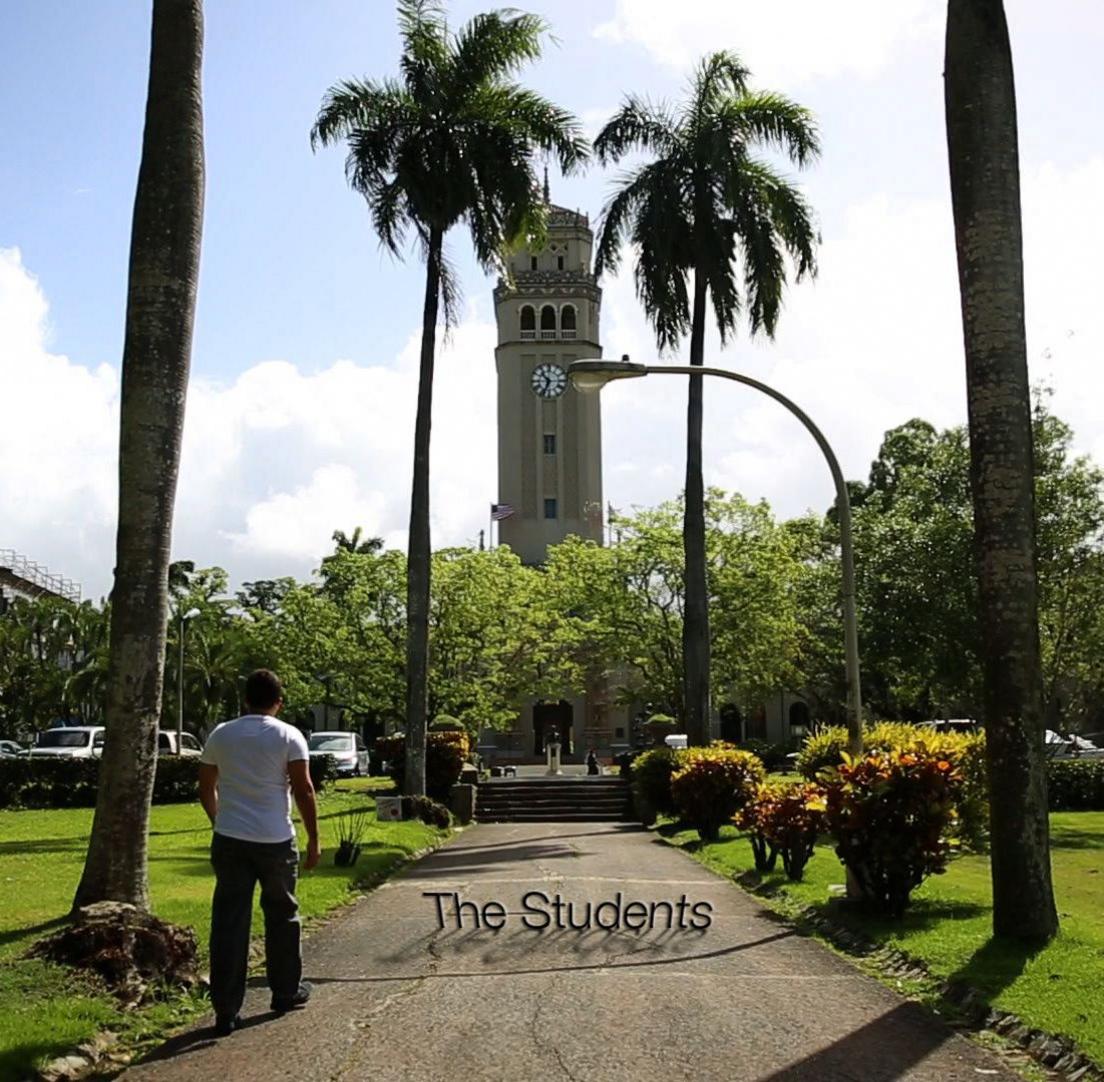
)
(892, 815)
(784, 820)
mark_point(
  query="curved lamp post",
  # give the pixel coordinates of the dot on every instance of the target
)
(590, 376)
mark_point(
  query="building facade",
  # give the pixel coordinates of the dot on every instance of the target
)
(549, 435)
(550, 450)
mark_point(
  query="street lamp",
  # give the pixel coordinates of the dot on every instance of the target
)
(593, 375)
(191, 614)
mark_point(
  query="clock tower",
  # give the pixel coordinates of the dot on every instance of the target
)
(549, 435)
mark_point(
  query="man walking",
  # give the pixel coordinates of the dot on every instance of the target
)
(245, 773)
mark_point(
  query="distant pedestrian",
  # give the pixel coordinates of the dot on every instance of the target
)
(249, 770)
(592, 763)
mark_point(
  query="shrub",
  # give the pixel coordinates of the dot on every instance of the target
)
(711, 784)
(786, 820)
(891, 815)
(446, 752)
(747, 819)
(447, 723)
(650, 779)
(1075, 784)
(72, 783)
(822, 750)
(323, 770)
(774, 756)
(826, 749)
(429, 811)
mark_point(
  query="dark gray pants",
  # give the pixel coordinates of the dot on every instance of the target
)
(239, 866)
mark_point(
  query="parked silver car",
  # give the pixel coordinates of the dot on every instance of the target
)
(348, 751)
(9, 749)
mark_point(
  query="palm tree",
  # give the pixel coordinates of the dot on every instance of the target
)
(980, 102)
(164, 265)
(449, 141)
(352, 542)
(705, 207)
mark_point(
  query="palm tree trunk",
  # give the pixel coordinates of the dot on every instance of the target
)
(418, 562)
(164, 268)
(980, 105)
(695, 626)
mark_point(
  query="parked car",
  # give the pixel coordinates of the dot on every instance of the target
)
(348, 751)
(1071, 747)
(9, 749)
(69, 742)
(951, 725)
(189, 745)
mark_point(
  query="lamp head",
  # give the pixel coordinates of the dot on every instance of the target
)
(593, 375)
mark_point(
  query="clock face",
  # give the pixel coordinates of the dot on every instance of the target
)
(549, 380)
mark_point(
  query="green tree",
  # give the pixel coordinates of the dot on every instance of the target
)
(705, 208)
(164, 266)
(485, 643)
(450, 141)
(617, 612)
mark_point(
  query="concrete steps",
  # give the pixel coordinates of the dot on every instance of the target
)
(566, 799)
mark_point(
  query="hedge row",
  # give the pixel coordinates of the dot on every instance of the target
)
(72, 783)
(1076, 784)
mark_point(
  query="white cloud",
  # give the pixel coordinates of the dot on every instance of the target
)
(850, 36)
(272, 463)
(874, 341)
(276, 460)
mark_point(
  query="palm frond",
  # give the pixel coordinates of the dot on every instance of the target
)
(423, 29)
(531, 118)
(773, 120)
(718, 75)
(615, 223)
(494, 44)
(353, 104)
(637, 125)
(390, 216)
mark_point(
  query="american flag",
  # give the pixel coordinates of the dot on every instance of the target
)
(499, 511)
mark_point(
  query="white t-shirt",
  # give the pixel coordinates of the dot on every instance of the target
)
(254, 794)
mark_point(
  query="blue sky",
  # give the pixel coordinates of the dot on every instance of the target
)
(301, 405)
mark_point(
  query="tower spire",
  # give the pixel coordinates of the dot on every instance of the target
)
(547, 197)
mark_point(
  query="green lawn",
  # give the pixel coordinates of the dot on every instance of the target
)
(45, 1011)
(1056, 989)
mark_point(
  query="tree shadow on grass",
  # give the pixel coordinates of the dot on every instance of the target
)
(43, 845)
(995, 965)
(1075, 839)
(13, 934)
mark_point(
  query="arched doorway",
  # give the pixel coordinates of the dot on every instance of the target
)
(547, 716)
(732, 724)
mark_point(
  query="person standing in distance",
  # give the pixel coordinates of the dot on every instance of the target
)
(248, 772)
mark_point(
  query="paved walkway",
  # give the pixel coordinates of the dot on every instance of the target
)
(746, 999)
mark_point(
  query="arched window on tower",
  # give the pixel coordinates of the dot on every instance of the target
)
(548, 322)
(567, 321)
(528, 322)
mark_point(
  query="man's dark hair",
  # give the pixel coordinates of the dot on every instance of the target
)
(263, 689)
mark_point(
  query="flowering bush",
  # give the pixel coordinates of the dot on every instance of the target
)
(891, 815)
(651, 783)
(712, 783)
(786, 820)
